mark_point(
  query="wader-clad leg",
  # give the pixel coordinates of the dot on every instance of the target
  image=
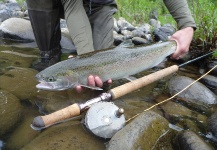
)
(78, 25)
(45, 20)
(102, 23)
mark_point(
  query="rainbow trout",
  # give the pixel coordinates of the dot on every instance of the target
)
(116, 63)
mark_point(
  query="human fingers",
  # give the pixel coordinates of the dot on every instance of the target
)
(181, 50)
(91, 80)
(98, 81)
(109, 81)
(79, 89)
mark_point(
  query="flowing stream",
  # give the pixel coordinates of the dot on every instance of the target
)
(20, 102)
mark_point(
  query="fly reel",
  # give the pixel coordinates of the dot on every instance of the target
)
(104, 119)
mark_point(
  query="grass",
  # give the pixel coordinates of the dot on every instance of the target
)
(138, 11)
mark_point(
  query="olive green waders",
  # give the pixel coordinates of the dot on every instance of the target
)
(45, 19)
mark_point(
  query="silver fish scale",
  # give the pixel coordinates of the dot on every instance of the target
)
(116, 63)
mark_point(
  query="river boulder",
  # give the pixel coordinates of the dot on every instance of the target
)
(144, 132)
(20, 82)
(68, 135)
(22, 134)
(23, 31)
(11, 111)
(211, 82)
(188, 140)
(197, 93)
(210, 65)
(212, 124)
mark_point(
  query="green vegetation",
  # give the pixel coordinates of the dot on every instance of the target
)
(215, 54)
(138, 11)
(204, 12)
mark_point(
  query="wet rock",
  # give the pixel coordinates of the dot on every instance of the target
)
(160, 35)
(146, 28)
(4, 14)
(68, 135)
(210, 82)
(127, 33)
(177, 111)
(168, 29)
(1, 144)
(190, 123)
(210, 65)
(149, 37)
(138, 33)
(13, 6)
(17, 59)
(139, 41)
(49, 102)
(212, 124)
(127, 43)
(197, 93)
(144, 132)
(134, 106)
(188, 140)
(118, 39)
(22, 135)
(125, 25)
(174, 111)
(10, 9)
(20, 82)
(155, 23)
(11, 111)
(22, 32)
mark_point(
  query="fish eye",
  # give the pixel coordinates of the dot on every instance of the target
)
(51, 79)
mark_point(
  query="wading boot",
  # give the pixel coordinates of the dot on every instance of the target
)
(48, 58)
(46, 28)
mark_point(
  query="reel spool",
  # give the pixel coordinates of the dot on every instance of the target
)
(104, 119)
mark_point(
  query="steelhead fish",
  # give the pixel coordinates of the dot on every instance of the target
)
(116, 63)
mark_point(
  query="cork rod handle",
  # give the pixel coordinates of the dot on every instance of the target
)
(55, 117)
(141, 82)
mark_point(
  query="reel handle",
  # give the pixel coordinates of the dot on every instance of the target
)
(41, 122)
(141, 82)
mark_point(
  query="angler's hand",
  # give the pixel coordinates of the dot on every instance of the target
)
(93, 81)
(183, 38)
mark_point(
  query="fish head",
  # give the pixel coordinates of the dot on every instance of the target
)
(56, 81)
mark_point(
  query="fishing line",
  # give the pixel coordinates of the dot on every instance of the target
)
(173, 95)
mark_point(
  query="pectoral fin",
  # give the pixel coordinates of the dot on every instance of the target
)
(92, 87)
(130, 78)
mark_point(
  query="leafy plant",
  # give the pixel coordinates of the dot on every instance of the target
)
(215, 54)
(205, 14)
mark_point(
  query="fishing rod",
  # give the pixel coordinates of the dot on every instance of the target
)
(42, 122)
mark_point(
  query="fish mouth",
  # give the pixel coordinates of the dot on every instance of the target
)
(44, 86)
(51, 86)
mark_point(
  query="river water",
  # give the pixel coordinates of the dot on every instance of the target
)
(17, 83)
